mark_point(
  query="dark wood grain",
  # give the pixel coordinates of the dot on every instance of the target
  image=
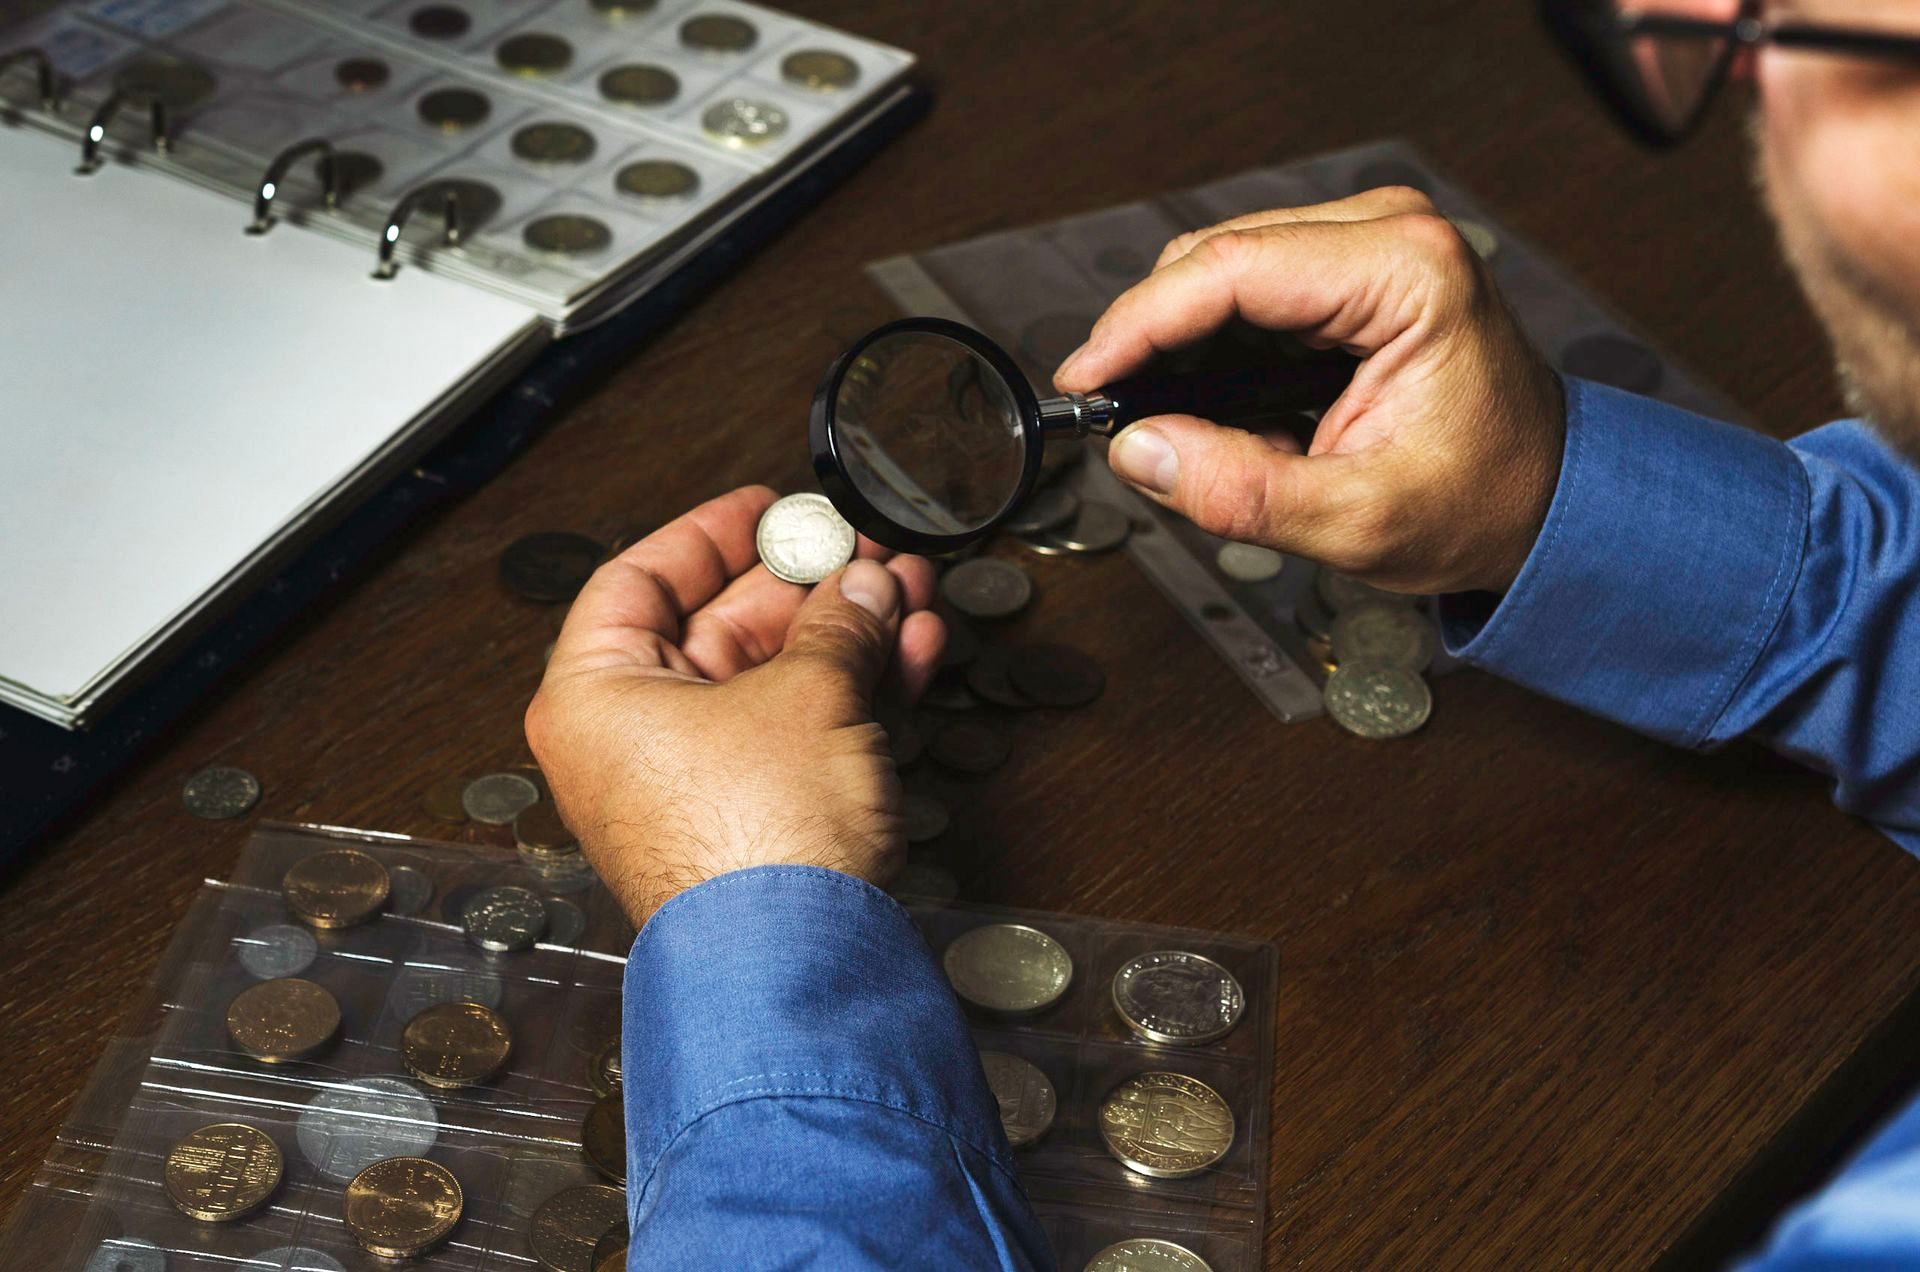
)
(1547, 987)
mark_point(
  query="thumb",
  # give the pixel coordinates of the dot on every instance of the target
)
(1237, 485)
(848, 624)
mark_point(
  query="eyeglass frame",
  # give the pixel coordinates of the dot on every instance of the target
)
(1596, 35)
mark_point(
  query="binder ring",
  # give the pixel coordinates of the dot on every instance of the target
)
(97, 130)
(43, 74)
(277, 172)
(397, 221)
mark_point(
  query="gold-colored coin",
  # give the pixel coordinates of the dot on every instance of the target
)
(175, 85)
(718, 33)
(569, 1224)
(657, 179)
(821, 70)
(567, 233)
(439, 22)
(534, 53)
(403, 1206)
(361, 74)
(453, 110)
(604, 1074)
(537, 828)
(456, 1044)
(281, 1021)
(336, 889)
(610, 1251)
(222, 1172)
(639, 84)
(442, 800)
(623, 8)
(604, 1137)
(1166, 1125)
(553, 142)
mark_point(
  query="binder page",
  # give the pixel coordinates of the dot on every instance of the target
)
(175, 392)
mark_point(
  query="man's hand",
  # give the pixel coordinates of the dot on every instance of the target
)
(1434, 470)
(700, 715)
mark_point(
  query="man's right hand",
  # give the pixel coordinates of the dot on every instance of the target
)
(1434, 470)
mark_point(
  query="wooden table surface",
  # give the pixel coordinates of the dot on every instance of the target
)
(1548, 988)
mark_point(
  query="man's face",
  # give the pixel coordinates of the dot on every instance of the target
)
(1839, 154)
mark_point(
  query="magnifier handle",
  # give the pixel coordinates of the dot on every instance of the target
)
(1223, 396)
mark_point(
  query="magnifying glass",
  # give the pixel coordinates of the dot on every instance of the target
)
(926, 436)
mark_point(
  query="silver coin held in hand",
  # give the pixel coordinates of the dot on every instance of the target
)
(802, 539)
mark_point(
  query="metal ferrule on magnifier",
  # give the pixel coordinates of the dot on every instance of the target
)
(1083, 413)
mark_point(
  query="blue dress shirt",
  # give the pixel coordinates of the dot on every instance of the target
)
(801, 1089)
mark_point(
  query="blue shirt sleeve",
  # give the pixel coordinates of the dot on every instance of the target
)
(1701, 582)
(801, 1089)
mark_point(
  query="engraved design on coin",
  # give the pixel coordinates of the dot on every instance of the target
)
(498, 798)
(222, 1172)
(1147, 1254)
(987, 588)
(281, 1021)
(657, 179)
(1008, 968)
(568, 1225)
(1172, 996)
(1026, 1098)
(1377, 701)
(275, 950)
(505, 918)
(219, 793)
(336, 888)
(1396, 635)
(551, 141)
(639, 84)
(718, 33)
(456, 1045)
(417, 988)
(1166, 1125)
(1249, 562)
(567, 234)
(821, 70)
(345, 1129)
(603, 1073)
(740, 123)
(803, 538)
(403, 1206)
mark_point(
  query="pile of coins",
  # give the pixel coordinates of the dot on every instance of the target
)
(1376, 647)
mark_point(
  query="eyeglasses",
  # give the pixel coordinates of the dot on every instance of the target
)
(1657, 65)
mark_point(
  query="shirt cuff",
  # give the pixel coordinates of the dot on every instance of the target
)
(792, 981)
(1662, 570)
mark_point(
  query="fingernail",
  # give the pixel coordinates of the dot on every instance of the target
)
(1071, 358)
(1145, 458)
(868, 585)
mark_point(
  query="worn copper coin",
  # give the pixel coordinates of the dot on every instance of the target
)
(639, 84)
(455, 1045)
(1166, 1125)
(1055, 675)
(454, 109)
(336, 888)
(657, 179)
(537, 828)
(610, 1251)
(989, 677)
(439, 22)
(361, 74)
(219, 793)
(969, 746)
(604, 1137)
(987, 588)
(281, 1021)
(718, 33)
(442, 801)
(821, 70)
(567, 234)
(222, 1172)
(552, 141)
(534, 53)
(403, 1206)
(569, 1224)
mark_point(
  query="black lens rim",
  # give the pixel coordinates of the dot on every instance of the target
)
(837, 483)
(1590, 33)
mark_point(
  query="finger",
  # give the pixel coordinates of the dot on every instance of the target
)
(1242, 486)
(847, 627)
(637, 603)
(744, 626)
(917, 578)
(923, 637)
(1364, 206)
(1355, 283)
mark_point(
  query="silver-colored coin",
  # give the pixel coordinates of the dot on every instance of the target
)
(566, 922)
(1397, 635)
(1341, 592)
(1097, 527)
(292, 1259)
(417, 988)
(411, 889)
(739, 123)
(1249, 562)
(986, 587)
(1025, 1097)
(347, 1128)
(1048, 509)
(219, 793)
(1480, 236)
(126, 1254)
(567, 872)
(803, 538)
(1172, 996)
(926, 817)
(505, 918)
(277, 950)
(1147, 1254)
(1166, 1125)
(1377, 701)
(498, 798)
(924, 881)
(1043, 544)
(1008, 968)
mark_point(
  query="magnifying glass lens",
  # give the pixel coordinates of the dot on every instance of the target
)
(929, 433)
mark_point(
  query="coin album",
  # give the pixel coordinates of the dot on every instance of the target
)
(101, 1201)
